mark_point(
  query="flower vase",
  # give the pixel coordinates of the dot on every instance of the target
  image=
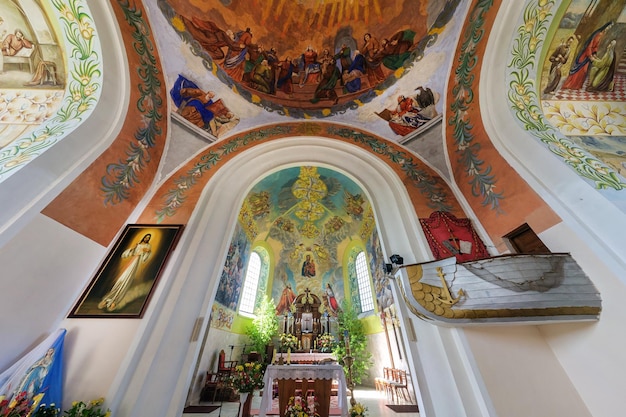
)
(245, 403)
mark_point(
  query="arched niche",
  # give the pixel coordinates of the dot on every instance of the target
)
(164, 357)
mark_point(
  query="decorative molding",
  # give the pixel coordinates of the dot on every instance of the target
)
(481, 177)
(430, 187)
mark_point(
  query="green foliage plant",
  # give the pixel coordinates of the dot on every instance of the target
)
(264, 325)
(348, 320)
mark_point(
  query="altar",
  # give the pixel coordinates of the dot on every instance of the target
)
(304, 377)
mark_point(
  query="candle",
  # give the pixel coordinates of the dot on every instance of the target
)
(288, 356)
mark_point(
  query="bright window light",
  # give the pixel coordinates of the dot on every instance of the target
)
(363, 280)
(250, 285)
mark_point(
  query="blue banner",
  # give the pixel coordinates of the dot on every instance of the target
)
(39, 374)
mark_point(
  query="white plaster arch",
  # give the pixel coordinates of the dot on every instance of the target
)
(27, 191)
(158, 370)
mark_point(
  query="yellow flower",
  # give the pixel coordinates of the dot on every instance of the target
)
(67, 13)
(97, 401)
(85, 29)
(84, 79)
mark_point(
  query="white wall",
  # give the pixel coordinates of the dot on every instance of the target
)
(589, 355)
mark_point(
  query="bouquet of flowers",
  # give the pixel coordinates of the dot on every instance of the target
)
(247, 377)
(288, 341)
(325, 342)
(22, 406)
(357, 410)
(91, 409)
(19, 406)
(45, 410)
(295, 409)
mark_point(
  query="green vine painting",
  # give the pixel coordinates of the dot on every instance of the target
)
(481, 178)
(82, 91)
(522, 95)
(429, 187)
(124, 174)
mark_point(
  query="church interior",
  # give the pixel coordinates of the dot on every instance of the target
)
(450, 172)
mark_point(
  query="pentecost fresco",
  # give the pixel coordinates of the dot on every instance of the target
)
(307, 55)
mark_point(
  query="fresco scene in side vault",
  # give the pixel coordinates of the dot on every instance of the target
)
(312, 222)
(32, 69)
(335, 59)
(583, 82)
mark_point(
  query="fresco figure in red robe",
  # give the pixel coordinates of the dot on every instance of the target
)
(578, 72)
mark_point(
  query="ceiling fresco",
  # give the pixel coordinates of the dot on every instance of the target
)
(583, 82)
(309, 58)
(43, 42)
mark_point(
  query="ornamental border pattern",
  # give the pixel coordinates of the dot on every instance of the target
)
(123, 175)
(427, 185)
(82, 91)
(522, 79)
(481, 177)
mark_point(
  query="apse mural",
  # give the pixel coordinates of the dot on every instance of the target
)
(302, 220)
(309, 58)
(233, 273)
(382, 285)
(50, 76)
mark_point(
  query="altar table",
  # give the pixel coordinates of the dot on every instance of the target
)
(307, 357)
(321, 376)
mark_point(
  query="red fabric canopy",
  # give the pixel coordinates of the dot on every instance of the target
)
(448, 236)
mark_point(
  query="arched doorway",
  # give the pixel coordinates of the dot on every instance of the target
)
(163, 362)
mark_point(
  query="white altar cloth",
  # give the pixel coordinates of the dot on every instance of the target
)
(306, 357)
(295, 371)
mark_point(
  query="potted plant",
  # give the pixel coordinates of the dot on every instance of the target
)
(348, 322)
(264, 325)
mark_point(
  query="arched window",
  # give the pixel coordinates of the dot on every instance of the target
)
(250, 285)
(364, 283)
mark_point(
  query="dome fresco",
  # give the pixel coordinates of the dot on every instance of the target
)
(306, 57)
